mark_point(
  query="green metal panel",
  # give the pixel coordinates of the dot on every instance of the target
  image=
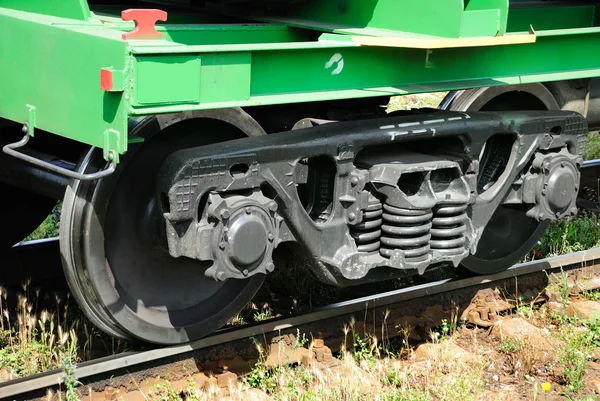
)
(56, 69)
(432, 17)
(236, 66)
(74, 9)
(176, 78)
(520, 19)
(484, 17)
(447, 18)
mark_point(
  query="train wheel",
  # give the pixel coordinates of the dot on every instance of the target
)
(21, 212)
(510, 234)
(115, 252)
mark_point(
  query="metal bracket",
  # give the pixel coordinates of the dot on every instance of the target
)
(112, 139)
(10, 150)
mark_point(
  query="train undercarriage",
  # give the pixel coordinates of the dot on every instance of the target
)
(181, 236)
(189, 156)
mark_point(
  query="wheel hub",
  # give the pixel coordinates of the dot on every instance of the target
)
(241, 243)
(554, 181)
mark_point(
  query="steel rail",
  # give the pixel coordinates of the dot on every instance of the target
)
(105, 365)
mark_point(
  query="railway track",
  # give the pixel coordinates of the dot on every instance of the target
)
(233, 349)
(125, 370)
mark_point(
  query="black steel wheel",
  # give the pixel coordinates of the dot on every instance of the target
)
(115, 254)
(510, 234)
(21, 212)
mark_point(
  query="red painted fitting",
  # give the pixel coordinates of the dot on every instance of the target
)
(145, 23)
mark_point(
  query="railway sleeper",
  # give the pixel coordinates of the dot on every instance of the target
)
(369, 199)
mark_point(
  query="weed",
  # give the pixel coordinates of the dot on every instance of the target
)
(263, 314)
(573, 356)
(571, 234)
(69, 379)
(167, 392)
(562, 285)
(510, 347)
(592, 147)
(32, 343)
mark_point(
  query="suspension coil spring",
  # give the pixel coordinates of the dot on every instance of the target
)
(449, 227)
(407, 230)
(367, 234)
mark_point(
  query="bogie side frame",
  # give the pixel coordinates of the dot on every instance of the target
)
(76, 70)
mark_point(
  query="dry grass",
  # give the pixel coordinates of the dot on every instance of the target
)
(486, 368)
(34, 341)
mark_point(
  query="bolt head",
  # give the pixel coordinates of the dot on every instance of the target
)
(270, 266)
(354, 181)
(573, 211)
(221, 276)
(245, 272)
(351, 216)
(562, 164)
(222, 245)
(25, 128)
(273, 206)
(270, 236)
(248, 210)
(225, 214)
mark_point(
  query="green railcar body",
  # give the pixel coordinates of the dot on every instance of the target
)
(210, 55)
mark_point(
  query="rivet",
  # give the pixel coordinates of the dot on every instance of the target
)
(25, 128)
(111, 155)
(270, 266)
(562, 164)
(270, 236)
(248, 210)
(351, 216)
(354, 181)
(273, 206)
(222, 245)
(221, 276)
(225, 214)
(245, 272)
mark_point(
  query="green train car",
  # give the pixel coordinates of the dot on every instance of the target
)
(194, 144)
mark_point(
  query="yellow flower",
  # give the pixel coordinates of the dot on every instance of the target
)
(546, 387)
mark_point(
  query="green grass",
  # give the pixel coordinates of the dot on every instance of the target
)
(592, 148)
(49, 227)
(422, 100)
(567, 235)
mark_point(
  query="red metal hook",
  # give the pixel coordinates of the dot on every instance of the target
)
(145, 23)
